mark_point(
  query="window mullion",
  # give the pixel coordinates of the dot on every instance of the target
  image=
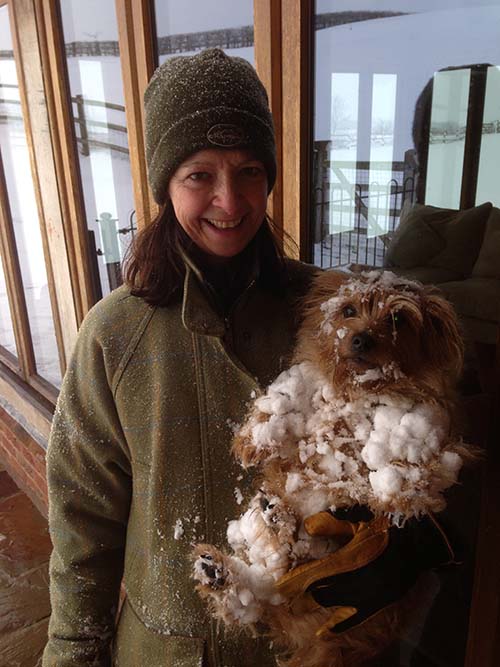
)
(297, 44)
(66, 159)
(268, 62)
(136, 56)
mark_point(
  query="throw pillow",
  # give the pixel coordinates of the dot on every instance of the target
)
(488, 262)
(463, 233)
(414, 242)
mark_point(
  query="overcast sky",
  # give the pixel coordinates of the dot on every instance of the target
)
(173, 16)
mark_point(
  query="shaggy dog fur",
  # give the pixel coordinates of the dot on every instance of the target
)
(363, 416)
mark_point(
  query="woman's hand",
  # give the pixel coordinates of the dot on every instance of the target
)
(372, 571)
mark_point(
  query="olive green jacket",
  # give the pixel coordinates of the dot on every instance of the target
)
(139, 470)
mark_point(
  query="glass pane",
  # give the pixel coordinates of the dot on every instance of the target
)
(394, 96)
(450, 98)
(399, 89)
(488, 185)
(95, 78)
(7, 339)
(16, 162)
(184, 28)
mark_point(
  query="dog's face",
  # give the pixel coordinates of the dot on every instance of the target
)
(378, 329)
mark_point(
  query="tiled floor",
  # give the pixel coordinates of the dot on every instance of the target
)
(24, 596)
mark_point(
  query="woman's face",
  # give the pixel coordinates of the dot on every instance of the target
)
(219, 198)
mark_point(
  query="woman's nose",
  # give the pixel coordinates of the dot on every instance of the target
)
(226, 195)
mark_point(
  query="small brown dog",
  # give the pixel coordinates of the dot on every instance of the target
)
(363, 416)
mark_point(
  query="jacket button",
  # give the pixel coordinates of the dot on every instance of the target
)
(246, 335)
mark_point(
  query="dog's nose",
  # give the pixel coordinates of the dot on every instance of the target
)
(362, 342)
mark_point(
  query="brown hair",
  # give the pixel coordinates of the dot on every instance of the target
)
(154, 268)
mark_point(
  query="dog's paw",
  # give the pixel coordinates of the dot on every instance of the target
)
(276, 514)
(209, 567)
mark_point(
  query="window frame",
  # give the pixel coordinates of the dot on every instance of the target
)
(297, 35)
(136, 42)
(29, 75)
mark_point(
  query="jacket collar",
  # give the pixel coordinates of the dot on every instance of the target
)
(199, 312)
(198, 315)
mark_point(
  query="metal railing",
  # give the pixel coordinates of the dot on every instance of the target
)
(355, 218)
(85, 125)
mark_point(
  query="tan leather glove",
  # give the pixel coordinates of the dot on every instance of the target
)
(367, 541)
(376, 567)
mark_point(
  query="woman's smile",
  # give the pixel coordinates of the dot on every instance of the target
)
(223, 224)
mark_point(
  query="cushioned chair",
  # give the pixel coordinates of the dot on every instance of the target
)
(459, 252)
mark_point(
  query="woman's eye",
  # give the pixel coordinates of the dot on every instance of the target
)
(252, 171)
(349, 311)
(199, 176)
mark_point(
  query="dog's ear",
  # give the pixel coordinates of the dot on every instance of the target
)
(442, 335)
(325, 285)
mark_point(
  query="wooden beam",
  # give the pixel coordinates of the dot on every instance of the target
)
(134, 31)
(30, 410)
(473, 135)
(268, 63)
(147, 61)
(297, 44)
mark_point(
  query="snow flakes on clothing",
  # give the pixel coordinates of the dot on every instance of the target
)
(178, 529)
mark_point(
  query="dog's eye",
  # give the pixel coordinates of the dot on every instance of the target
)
(349, 311)
(397, 318)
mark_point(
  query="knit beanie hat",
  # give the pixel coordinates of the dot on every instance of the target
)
(209, 100)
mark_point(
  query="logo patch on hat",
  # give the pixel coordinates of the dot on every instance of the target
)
(226, 135)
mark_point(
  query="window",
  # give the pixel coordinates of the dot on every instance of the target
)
(22, 234)
(489, 165)
(372, 148)
(98, 107)
(201, 24)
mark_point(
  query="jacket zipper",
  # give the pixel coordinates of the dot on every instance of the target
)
(213, 648)
(228, 319)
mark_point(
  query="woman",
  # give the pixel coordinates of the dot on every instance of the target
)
(138, 464)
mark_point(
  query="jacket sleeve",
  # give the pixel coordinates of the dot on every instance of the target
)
(89, 480)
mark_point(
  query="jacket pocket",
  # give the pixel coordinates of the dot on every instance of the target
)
(135, 645)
